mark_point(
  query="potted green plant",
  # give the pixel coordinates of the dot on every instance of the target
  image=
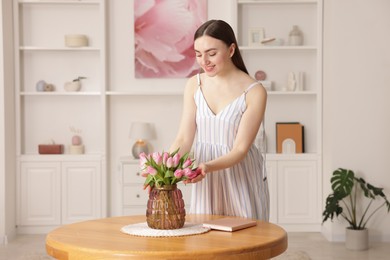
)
(343, 201)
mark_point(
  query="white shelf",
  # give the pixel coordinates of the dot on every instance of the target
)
(128, 159)
(144, 93)
(292, 157)
(73, 2)
(277, 48)
(58, 93)
(60, 157)
(175, 93)
(36, 48)
(278, 2)
(291, 93)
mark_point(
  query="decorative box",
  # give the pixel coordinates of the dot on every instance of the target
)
(76, 149)
(76, 40)
(289, 137)
(50, 149)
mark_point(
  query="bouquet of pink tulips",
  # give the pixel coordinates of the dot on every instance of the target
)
(166, 168)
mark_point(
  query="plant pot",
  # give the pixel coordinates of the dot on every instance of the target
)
(356, 239)
(72, 86)
(165, 209)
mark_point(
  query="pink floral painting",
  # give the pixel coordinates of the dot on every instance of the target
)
(164, 32)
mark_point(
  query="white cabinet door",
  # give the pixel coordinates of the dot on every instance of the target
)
(81, 191)
(271, 167)
(133, 198)
(39, 201)
(298, 192)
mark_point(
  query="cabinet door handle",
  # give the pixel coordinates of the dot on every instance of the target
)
(138, 196)
(137, 173)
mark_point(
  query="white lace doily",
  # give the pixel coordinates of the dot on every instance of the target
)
(142, 229)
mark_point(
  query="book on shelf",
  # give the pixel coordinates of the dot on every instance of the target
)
(290, 137)
(230, 224)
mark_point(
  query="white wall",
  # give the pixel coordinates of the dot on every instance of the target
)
(356, 98)
(2, 134)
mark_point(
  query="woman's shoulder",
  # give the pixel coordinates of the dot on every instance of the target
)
(197, 78)
(255, 88)
(192, 84)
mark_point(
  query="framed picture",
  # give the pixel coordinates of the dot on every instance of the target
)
(163, 37)
(256, 35)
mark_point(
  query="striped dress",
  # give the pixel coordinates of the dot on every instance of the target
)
(241, 190)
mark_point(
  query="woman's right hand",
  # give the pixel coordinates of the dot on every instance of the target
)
(202, 170)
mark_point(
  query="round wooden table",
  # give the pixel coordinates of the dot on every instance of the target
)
(102, 239)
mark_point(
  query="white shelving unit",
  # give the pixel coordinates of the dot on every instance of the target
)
(43, 117)
(294, 179)
(40, 54)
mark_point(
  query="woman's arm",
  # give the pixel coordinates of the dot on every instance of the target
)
(187, 127)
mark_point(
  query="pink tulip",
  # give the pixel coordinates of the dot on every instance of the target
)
(157, 158)
(169, 162)
(142, 159)
(189, 173)
(143, 155)
(144, 174)
(152, 164)
(178, 173)
(176, 160)
(187, 163)
(165, 157)
(151, 170)
(192, 174)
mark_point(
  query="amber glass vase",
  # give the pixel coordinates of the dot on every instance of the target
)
(165, 209)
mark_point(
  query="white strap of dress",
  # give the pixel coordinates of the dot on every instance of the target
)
(250, 86)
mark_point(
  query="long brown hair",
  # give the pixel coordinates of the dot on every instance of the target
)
(221, 30)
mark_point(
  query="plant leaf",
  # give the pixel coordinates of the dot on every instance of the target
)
(365, 188)
(149, 181)
(169, 174)
(332, 207)
(376, 191)
(175, 152)
(342, 182)
(388, 205)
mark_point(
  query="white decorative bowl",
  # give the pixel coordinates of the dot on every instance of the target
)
(76, 40)
(72, 86)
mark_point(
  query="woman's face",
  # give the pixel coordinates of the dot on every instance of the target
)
(212, 54)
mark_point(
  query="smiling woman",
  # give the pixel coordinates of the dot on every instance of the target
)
(163, 36)
(223, 109)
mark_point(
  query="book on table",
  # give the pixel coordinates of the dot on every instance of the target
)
(229, 224)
